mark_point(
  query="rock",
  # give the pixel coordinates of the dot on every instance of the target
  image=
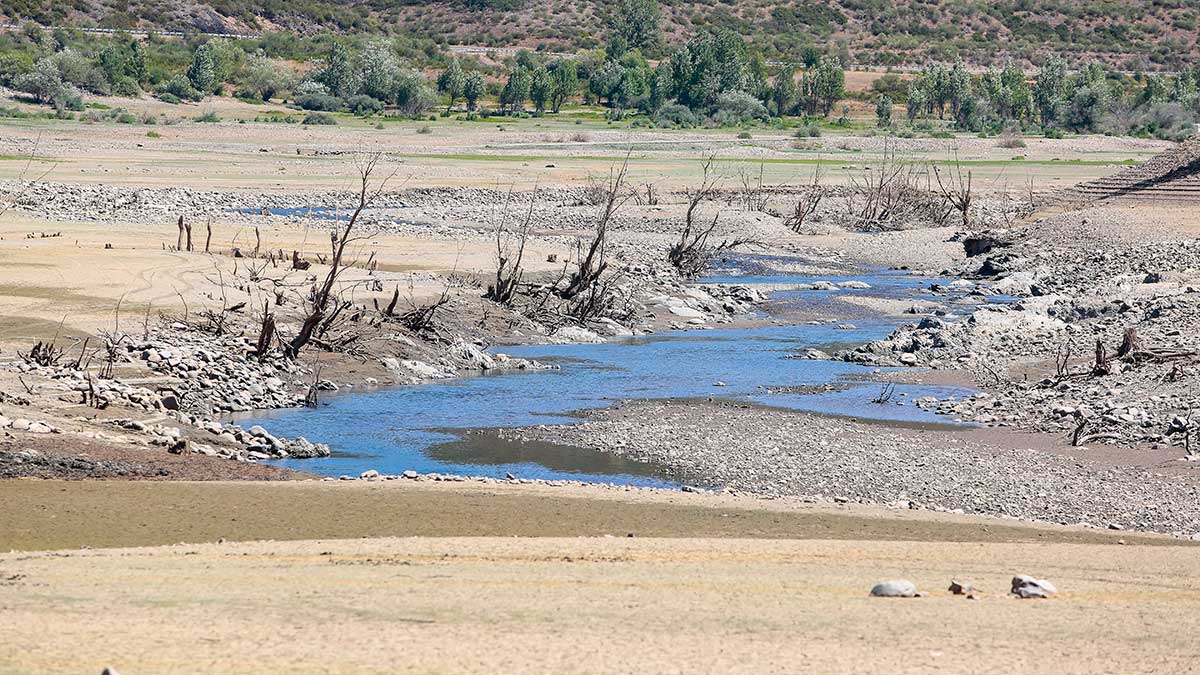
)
(685, 312)
(20, 424)
(909, 359)
(170, 402)
(898, 588)
(369, 474)
(1024, 586)
(410, 474)
(931, 323)
(961, 588)
(40, 428)
(978, 245)
(577, 334)
(861, 285)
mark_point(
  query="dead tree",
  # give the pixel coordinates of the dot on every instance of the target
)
(893, 193)
(179, 240)
(806, 205)
(322, 298)
(956, 189)
(508, 262)
(266, 332)
(594, 263)
(1130, 345)
(391, 306)
(208, 237)
(43, 354)
(1102, 365)
(754, 194)
(688, 254)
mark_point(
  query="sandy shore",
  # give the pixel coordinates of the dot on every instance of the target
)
(374, 577)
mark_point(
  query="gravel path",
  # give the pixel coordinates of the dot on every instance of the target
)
(785, 453)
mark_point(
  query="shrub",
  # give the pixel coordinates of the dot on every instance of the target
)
(127, 118)
(209, 116)
(1168, 121)
(319, 118)
(364, 106)
(744, 135)
(808, 130)
(153, 134)
(673, 115)
(167, 97)
(1011, 140)
(181, 89)
(46, 85)
(424, 129)
(319, 102)
(738, 107)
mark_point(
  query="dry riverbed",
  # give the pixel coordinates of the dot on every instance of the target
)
(779, 452)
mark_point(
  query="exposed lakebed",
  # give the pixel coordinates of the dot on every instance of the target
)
(419, 427)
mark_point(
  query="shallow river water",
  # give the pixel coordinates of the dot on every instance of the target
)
(396, 429)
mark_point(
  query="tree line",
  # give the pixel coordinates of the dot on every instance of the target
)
(714, 77)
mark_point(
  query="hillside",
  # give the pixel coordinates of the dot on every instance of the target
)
(1133, 35)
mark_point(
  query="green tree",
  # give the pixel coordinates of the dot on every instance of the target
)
(917, 100)
(1019, 97)
(377, 72)
(266, 77)
(783, 94)
(540, 88)
(451, 82)
(564, 83)
(516, 89)
(1155, 90)
(958, 88)
(708, 65)
(202, 73)
(46, 85)
(1049, 90)
(827, 84)
(137, 62)
(340, 75)
(111, 60)
(637, 26)
(605, 83)
(883, 112)
(473, 88)
(660, 86)
(411, 92)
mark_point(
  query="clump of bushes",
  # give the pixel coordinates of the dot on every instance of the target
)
(319, 118)
(319, 102)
